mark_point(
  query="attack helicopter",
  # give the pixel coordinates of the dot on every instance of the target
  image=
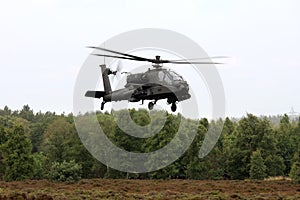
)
(155, 84)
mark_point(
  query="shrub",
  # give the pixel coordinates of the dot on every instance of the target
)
(295, 171)
(65, 171)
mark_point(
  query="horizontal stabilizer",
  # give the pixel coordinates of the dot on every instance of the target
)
(95, 94)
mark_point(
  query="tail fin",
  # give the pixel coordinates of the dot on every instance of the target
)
(106, 83)
(95, 94)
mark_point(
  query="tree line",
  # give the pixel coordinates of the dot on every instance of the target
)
(47, 146)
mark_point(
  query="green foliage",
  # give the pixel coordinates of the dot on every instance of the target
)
(257, 166)
(275, 165)
(56, 140)
(65, 171)
(39, 164)
(36, 135)
(288, 142)
(251, 147)
(61, 143)
(18, 161)
(2, 141)
(26, 113)
(295, 171)
(247, 137)
(5, 111)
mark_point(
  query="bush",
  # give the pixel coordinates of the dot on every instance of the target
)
(65, 171)
(39, 165)
(295, 171)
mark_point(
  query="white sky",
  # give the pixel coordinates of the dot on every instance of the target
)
(42, 46)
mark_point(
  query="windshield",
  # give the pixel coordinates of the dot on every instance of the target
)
(175, 76)
(161, 75)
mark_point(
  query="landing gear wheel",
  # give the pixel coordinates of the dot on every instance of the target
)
(102, 105)
(150, 105)
(173, 107)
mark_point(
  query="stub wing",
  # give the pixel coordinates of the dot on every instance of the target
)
(95, 94)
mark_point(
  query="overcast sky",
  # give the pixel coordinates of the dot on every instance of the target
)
(42, 46)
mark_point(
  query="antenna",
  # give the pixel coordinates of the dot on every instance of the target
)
(104, 55)
(292, 114)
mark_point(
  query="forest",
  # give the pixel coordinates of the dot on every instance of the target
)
(36, 145)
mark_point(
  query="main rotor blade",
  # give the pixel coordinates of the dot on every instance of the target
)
(124, 54)
(111, 56)
(203, 58)
(138, 58)
(186, 62)
(154, 61)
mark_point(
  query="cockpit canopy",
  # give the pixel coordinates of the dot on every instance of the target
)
(154, 76)
(168, 76)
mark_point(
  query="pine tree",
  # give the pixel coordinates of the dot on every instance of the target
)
(275, 165)
(257, 166)
(287, 142)
(245, 142)
(17, 155)
(295, 170)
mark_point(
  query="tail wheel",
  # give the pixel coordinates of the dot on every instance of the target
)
(173, 107)
(150, 105)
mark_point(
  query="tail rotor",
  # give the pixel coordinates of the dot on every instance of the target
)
(117, 72)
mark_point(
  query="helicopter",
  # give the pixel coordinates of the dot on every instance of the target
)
(154, 84)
